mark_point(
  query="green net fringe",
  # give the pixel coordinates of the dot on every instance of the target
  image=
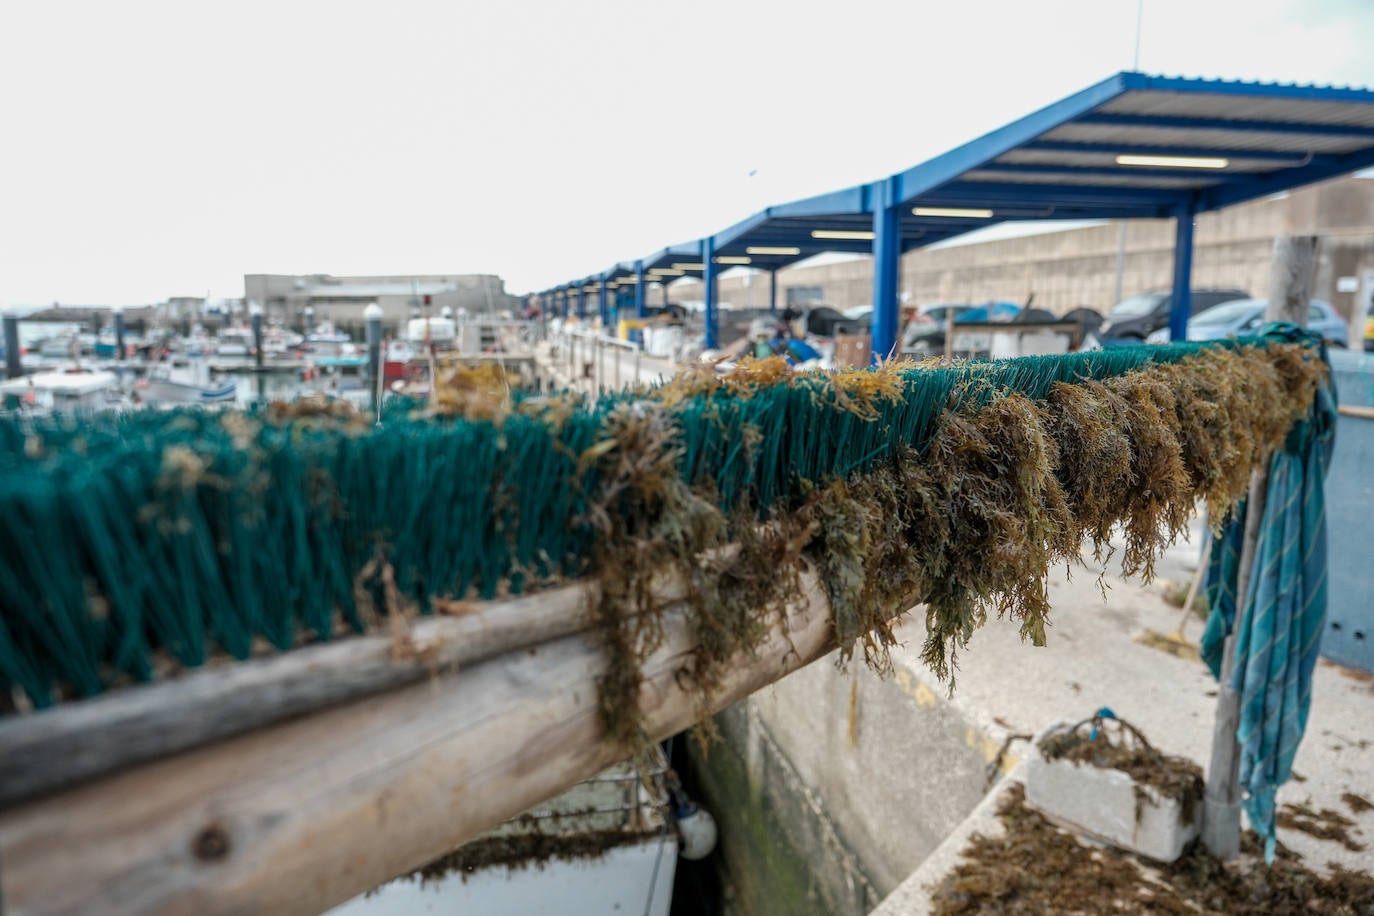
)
(136, 542)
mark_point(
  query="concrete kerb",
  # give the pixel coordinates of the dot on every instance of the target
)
(913, 896)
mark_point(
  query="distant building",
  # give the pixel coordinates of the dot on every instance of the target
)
(95, 317)
(341, 300)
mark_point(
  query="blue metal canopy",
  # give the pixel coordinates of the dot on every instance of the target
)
(1131, 146)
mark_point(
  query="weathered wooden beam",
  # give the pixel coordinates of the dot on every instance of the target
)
(76, 741)
(304, 814)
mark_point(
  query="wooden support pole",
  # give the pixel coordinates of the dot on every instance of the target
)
(1294, 265)
(1290, 278)
(305, 814)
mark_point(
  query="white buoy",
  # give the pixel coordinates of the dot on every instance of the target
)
(697, 829)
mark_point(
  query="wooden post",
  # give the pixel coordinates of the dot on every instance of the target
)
(949, 334)
(1295, 259)
(1290, 278)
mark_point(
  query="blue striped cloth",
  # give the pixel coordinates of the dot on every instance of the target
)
(1284, 615)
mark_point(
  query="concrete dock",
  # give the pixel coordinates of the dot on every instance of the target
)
(856, 781)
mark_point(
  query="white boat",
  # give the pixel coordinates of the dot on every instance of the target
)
(66, 391)
(60, 347)
(168, 391)
(278, 343)
(327, 342)
(608, 845)
(234, 343)
(181, 382)
(439, 331)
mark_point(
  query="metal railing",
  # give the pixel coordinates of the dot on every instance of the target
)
(584, 352)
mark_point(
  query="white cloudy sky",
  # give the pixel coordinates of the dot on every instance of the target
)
(165, 147)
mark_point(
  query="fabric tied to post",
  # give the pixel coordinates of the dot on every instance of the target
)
(1279, 635)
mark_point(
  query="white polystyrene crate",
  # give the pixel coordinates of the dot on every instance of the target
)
(1102, 803)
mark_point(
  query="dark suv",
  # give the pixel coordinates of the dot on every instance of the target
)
(1136, 317)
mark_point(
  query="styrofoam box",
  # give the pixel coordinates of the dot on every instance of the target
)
(1102, 804)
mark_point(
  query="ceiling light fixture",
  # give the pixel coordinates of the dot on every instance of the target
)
(772, 249)
(854, 234)
(957, 212)
(1175, 162)
(731, 259)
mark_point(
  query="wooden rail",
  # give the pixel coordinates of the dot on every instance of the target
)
(304, 814)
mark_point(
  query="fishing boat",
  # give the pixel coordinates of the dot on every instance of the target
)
(400, 356)
(607, 845)
(233, 342)
(326, 341)
(184, 382)
(61, 346)
(65, 391)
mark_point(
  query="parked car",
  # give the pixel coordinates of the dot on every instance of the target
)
(1140, 316)
(1244, 316)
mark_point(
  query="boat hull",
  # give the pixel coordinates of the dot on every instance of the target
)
(170, 392)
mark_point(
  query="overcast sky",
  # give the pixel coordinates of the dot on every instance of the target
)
(151, 149)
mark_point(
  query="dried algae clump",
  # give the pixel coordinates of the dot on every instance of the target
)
(480, 392)
(867, 392)
(1324, 824)
(663, 544)
(1004, 490)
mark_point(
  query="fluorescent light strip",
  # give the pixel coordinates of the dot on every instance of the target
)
(772, 249)
(689, 267)
(854, 234)
(1175, 162)
(665, 272)
(957, 212)
(731, 259)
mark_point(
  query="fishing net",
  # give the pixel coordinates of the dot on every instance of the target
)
(138, 544)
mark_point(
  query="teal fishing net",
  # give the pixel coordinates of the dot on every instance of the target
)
(139, 542)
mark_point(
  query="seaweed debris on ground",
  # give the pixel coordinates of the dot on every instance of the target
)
(1325, 824)
(1036, 867)
(1357, 804)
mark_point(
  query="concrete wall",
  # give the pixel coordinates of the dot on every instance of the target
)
(831, 787)
(1077, 267)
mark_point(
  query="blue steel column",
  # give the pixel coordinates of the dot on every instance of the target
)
(772, 289)
(582, 301)
(641, 305)
(601, 303)
(708, 278)
(567, 310)
(1181, 302)
(887, 259)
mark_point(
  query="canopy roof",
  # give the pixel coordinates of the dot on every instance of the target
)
(1130, 146)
